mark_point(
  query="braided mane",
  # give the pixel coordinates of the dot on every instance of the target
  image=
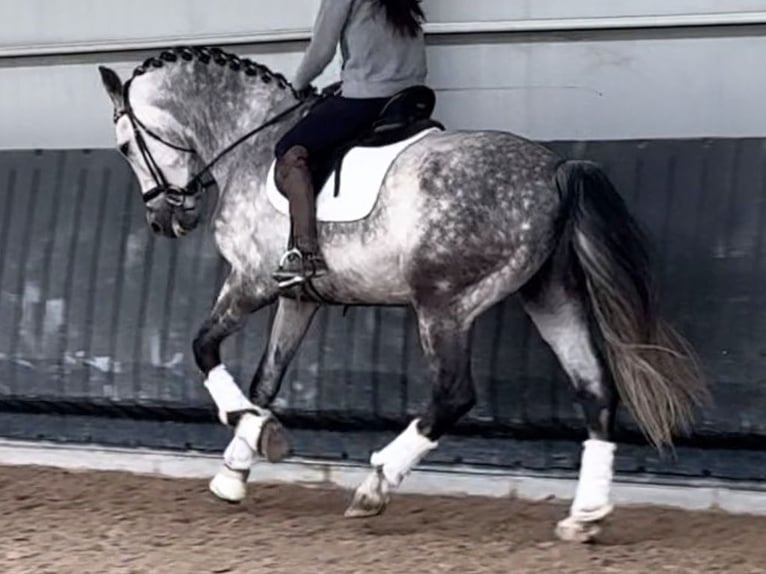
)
(206, 55)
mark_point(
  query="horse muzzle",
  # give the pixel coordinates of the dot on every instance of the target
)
(172, 224)
(171, 212)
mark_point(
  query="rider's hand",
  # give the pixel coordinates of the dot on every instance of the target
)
(305, 92)
(331, 90)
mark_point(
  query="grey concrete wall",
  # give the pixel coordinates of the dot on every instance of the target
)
(33, 26)
(548, 70)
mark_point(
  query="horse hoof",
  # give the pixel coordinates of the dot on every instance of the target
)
(365, 507)
(571, 530)
(274, 443)
(595, 514)
(370, 499)
(230, 485)
(359, 512)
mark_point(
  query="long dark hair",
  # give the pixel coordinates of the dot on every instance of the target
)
(406, 16)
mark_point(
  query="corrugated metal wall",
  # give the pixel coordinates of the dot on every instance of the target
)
(98, 316)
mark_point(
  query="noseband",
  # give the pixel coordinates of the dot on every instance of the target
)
(175, 196)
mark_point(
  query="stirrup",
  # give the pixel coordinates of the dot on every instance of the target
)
(292, 253)
(293, 281)
(298, 275)
(285, 281)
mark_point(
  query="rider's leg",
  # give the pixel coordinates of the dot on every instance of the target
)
(332, 123)
(294, 180)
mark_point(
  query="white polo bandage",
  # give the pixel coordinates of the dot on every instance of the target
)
(243, 448)
(227, 395)
(592, 499)
(398, 458)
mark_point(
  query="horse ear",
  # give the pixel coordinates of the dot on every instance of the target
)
(113, 85)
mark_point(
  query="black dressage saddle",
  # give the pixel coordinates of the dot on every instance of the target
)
(406, 114)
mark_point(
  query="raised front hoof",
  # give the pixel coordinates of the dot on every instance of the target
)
(230, 485)
(370, 499)
(274, 443)
(573, 530)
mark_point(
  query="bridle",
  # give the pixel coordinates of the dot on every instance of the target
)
(175, 196)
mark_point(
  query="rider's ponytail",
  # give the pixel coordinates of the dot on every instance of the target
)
(406, 16)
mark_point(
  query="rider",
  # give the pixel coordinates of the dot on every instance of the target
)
(383, 52)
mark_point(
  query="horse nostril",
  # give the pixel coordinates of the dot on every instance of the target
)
(156, 227)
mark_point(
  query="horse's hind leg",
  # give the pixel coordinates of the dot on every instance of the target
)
(562, 321)
(446, 342)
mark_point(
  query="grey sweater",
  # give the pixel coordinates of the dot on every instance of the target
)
(377, 61)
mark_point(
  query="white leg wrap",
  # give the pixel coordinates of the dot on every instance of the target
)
(402, 454)
(227, 395)
(230, 483)
(242, 450)
(592, 500)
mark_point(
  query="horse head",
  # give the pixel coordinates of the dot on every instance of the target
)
(176, 117)
(152, 139)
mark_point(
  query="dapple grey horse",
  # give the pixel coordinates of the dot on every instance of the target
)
(463, 220)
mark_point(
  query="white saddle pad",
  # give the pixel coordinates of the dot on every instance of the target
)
(361, 177)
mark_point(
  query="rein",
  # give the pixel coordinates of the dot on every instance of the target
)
(175, 195)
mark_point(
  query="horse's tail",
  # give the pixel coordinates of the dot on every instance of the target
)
(655, 370)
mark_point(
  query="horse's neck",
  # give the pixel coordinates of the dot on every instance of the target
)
(241, 174)
(223, 120)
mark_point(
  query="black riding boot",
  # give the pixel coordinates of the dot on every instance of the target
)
(303, 261)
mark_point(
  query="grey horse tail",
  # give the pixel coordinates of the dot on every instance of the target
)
(653, 367)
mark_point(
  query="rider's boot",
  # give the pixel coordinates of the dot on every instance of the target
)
(303, 261)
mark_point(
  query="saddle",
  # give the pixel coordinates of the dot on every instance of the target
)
(406, 114)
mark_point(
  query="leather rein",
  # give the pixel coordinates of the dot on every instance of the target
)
(174, 195)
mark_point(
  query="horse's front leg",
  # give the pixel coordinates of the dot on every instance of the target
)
(235, 303)
(291, 322)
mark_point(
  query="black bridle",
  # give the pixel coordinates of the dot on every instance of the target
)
(174, 195)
